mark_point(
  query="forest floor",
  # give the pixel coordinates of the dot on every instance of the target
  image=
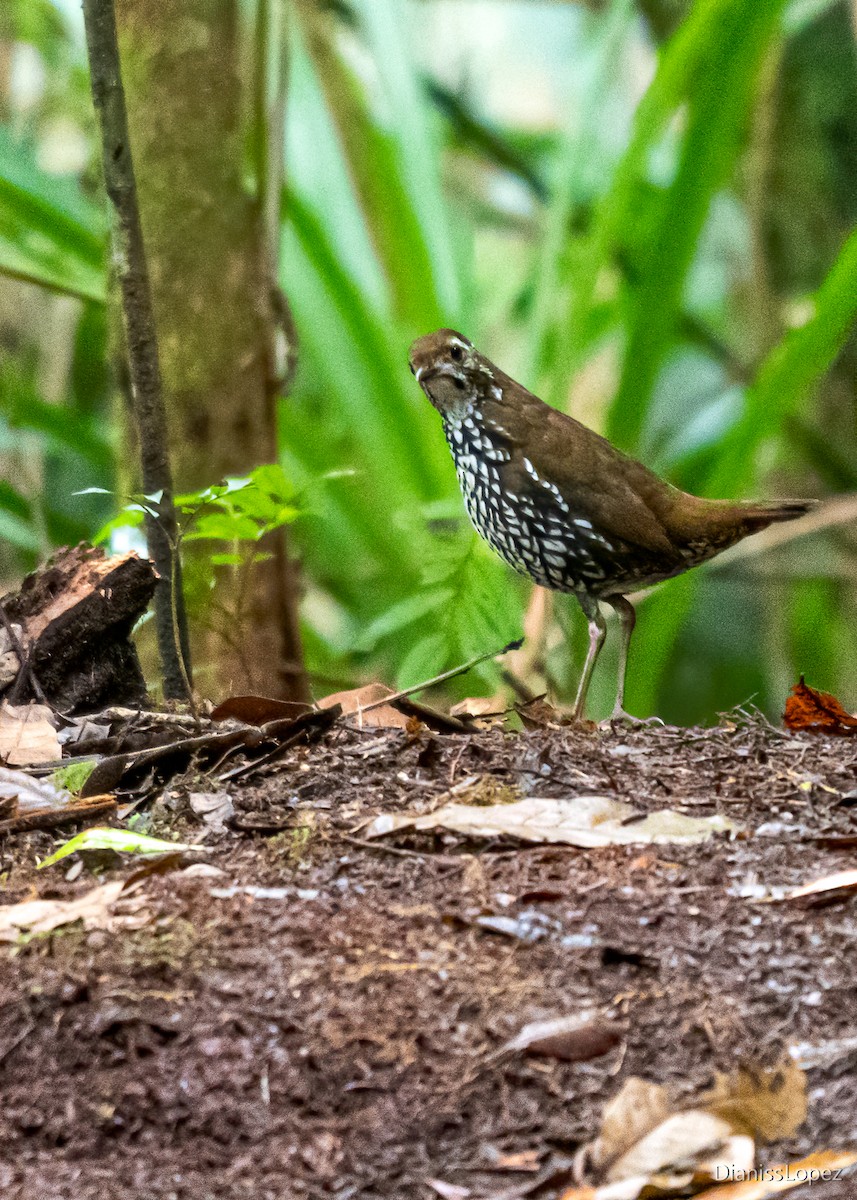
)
(321, 1016)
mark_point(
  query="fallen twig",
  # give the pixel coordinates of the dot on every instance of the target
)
(54, 818)
(445, 675)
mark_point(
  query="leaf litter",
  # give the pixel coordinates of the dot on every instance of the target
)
(351, 1036)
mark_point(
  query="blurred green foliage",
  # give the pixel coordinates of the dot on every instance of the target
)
(676, 264)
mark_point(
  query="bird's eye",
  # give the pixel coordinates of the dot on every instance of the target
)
(413, 369)
(455, 353)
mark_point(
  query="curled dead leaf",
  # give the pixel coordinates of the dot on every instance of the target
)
(675, 1145)
(646, 1140)
(817, 712)
(577, 1038)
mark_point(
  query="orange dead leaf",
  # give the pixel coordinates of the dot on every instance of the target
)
(364, 705)
(816, 712)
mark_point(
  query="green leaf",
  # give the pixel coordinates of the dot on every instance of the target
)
(789, 373)
(122, 841)
(734, 38)
(411, 609)
(425, 659)
(19, 531)
(49, 234)
(224, 526)
(131, 517)
(75, 775)
(271, 479)
(377, 159)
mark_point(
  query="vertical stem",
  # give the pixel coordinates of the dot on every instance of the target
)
(129, 262)
(271, 83)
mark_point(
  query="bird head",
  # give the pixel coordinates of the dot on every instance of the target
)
(449, 369)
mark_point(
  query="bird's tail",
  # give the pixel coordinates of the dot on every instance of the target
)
(760, 515)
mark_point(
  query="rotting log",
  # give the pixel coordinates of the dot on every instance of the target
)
(71, 623)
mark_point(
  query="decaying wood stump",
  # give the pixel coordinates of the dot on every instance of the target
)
(73, 619)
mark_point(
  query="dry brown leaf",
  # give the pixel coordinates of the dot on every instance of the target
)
(355, 701)
(841, 881)
(768, 1102)
(588, 821)
(817, 712)
(737, 1154)
(630, 1189)
(644, 1142)
(782, 1177)
(257, 710)
(676, 1144)
(96, 908)
(577, 1038)
(637, 1108)
(27, 735)
(478, 706)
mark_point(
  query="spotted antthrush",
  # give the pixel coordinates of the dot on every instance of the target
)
(562, 505)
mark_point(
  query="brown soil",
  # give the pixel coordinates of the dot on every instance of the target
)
(336, 1037)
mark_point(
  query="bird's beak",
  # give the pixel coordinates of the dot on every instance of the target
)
(431, 370)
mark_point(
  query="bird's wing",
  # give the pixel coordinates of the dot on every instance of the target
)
(620, 497)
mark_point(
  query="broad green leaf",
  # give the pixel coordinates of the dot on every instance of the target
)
(49, 234)
(75, 775)
(736, 38)
(402, 614)
(789, 373)
(377, 167)
(427, 657)
(19, 531)
(224, 526)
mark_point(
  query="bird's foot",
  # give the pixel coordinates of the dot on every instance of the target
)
(620, 717)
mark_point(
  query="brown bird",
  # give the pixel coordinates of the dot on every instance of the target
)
(562, 505)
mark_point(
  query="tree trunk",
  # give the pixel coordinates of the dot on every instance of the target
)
(216, 312)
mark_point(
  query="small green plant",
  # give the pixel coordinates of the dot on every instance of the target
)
(239, 513)
(236, 515)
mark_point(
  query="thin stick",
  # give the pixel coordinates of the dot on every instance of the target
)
(129, 260)
(468, 666)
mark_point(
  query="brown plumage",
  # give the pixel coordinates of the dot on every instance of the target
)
(559, 503)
